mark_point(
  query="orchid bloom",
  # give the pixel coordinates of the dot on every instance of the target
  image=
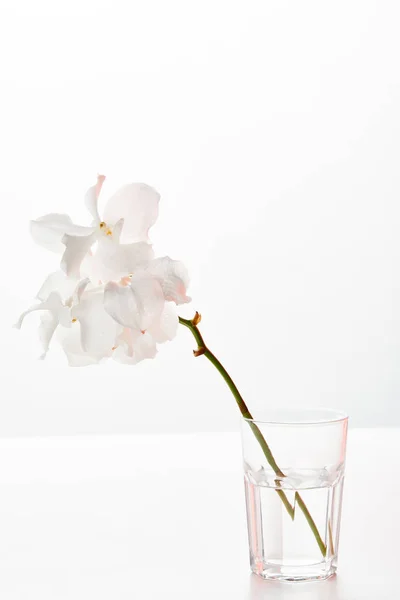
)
(130, 212)
(111, 297)
(56, 312)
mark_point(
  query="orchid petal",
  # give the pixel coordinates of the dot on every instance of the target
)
(48, 325)
(90, 268)
(137, 204)
(117, 230)
(98, 330)
(53, 304)
(125, 339)
(57, 282)
(80, 288)
(136, 305)
(75, 298)
(91, 199)
(173, 278)
(70, 341)
(76, 248)
(164, 329)
(48, 231)
(139, 347)
(113, 261)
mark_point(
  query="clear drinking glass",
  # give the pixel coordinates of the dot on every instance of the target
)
(294, 464)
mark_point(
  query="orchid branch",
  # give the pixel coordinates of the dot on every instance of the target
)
(192, 325)
(112, 297)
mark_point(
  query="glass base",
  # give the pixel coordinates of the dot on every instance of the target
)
(293, 573)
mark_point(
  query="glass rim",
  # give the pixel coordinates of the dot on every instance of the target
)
(321, 416)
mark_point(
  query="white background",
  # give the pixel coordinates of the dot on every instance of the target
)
(271, 130)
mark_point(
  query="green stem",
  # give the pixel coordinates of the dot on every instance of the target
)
(202, 349)
(311, 522)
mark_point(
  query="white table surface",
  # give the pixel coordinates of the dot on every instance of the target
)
(160, 517)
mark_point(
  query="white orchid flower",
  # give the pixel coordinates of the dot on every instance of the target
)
(123, 307)
(70, 341)
(125, 320)
(173, 278)
(56, 313)
(113, 261)
(134, 346)
(128, 215)
(147, 319)
(59, 282)
(59, 311)
(98, 329)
